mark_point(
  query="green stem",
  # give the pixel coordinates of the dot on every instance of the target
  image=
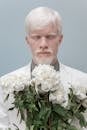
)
(75, 111)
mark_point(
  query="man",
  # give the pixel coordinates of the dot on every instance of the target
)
(44, 37)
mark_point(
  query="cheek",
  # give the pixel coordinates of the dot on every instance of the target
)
(54, 47)
(33, 49)
(32, 46)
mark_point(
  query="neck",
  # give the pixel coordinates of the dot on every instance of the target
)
(56, 65)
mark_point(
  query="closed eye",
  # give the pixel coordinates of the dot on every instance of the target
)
(50, 37)
(36, 37)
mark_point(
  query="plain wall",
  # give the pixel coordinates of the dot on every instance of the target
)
(14, 52)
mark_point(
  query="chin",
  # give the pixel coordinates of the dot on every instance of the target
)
(43, 61)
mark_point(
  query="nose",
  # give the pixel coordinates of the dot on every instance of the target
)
(43, 43)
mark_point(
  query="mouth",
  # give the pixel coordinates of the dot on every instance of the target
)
(44, 53)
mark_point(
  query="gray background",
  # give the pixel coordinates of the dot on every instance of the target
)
(14, 52)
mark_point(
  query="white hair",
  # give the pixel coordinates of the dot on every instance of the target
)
(40, 17)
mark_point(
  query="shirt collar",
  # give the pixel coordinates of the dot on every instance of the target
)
(56, 66)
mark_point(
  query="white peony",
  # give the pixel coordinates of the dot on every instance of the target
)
(47, 79)
(59, 97)
(81, 93)
(15, 82)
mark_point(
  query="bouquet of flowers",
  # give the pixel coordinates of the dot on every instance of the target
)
(45, 104)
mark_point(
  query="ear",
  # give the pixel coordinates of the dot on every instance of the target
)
(27, 39)
(60, 38)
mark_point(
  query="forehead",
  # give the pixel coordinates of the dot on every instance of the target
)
(48, 29)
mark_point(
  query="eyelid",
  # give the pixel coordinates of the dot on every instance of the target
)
(35, 36)
(48, 36)
(51, 36)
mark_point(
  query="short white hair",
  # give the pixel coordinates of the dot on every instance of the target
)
(40, 17)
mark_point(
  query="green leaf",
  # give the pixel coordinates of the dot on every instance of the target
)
(42, 114)
(71, 128)
(60, 110)
(81, 119)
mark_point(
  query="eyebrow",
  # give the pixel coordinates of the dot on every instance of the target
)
(47, 34)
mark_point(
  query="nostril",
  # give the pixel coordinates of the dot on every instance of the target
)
(43, 47)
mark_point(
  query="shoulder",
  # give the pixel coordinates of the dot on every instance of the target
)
(73, 74)
(14, 78)
(72, 71)
(17, 72)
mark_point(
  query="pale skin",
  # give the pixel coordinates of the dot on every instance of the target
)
(44, 44)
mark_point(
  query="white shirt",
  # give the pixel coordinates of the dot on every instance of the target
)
(68, 75)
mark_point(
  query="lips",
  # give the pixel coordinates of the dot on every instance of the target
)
(44, 53)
